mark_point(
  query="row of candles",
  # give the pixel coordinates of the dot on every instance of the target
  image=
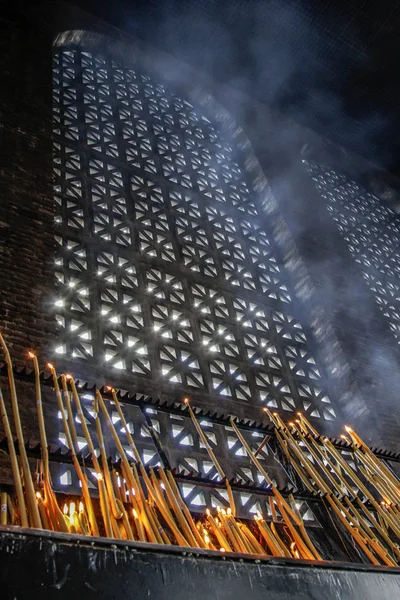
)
(147, 505)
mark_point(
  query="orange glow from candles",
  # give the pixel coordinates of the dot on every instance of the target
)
(217, 528)
(293, 549)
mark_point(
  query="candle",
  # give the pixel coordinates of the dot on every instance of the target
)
(49, 494)
(14, 463)
(42, 511)
(3, 509)
(82, 518)
(212, 455)
(78, 469)
(138, 525)
(217, 532)
(33, 511)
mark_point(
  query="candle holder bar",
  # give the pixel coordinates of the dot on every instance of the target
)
(178, 408)
(58, 456)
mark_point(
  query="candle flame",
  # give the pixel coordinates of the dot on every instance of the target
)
(135, 513)
(208, 512)
(348, 429)
(31, 354)
(206, 539)
(299, 413)
(222, 549)
(98, 476)
(71, 508)
(65, 509)
(68, 376)
(294, 550)
(186, 401)
(38, 495)
(50, 366)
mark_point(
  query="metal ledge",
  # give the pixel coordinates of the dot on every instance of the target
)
(58, 565)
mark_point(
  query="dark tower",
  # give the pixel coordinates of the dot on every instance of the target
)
(179, 254)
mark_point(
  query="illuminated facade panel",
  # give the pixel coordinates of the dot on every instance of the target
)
(165, 267)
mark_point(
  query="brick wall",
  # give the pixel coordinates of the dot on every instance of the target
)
(26, 205)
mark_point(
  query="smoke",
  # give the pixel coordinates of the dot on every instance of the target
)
(308, 60)
(305, 61)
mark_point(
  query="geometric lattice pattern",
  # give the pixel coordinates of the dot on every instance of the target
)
(372, 233)
(164, 267)
(186, 453)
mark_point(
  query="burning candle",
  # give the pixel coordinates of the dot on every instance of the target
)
(138, 525)
(82, 518)
(42, 511)
(33, 510)
(70, 442)
(3, 509)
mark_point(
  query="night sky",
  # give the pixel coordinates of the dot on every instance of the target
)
(333, 66)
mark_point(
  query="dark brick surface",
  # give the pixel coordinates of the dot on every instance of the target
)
(26, 205)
